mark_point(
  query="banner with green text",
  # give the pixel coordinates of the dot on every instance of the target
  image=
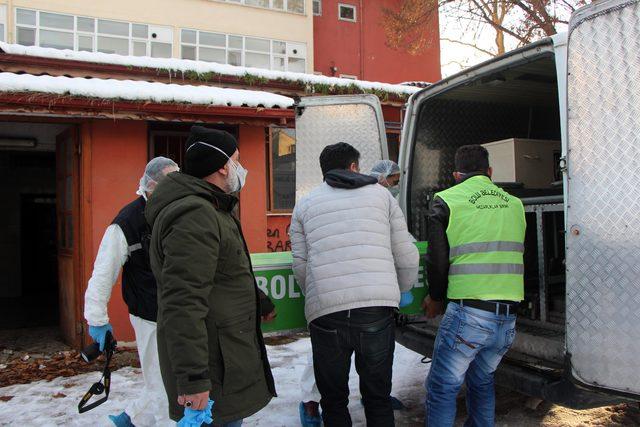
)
(274, 277)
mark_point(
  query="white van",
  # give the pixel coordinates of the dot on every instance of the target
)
(578, 340)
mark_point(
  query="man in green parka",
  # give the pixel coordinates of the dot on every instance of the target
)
(209, 308)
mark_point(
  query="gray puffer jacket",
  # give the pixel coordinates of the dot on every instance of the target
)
(350, 244)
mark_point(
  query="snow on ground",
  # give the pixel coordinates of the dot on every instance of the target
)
(201, 67)
(55, 403)
(140, 91)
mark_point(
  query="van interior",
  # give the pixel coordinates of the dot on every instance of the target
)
(515, 112)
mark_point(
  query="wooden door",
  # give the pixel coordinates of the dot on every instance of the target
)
(67, 210)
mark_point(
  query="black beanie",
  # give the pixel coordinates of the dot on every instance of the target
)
(205, 148)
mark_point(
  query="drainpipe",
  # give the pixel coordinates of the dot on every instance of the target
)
(362, 40)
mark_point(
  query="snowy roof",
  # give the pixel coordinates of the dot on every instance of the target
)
(419, 84)
(141, 91)
(202, 67)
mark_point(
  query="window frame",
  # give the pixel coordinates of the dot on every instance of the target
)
(270, 175)
(391, 128)
(285, 6)
(4, 21)
(153, 133)
(95, 34)
(245, 51)
(319, 3)
(273, 55)
(348, 6)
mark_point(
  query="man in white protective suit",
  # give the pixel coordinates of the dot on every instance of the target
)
(125, 247)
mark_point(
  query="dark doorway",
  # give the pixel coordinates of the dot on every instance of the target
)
(29, 287)
(39, 258)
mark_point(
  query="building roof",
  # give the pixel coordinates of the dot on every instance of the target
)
(419, 84)
(201, 68)
(141, 91)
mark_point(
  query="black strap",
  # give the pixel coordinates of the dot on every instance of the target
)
(102, 386)
(503, 308)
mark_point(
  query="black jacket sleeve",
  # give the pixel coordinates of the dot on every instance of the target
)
(437, 260)
(266, 306)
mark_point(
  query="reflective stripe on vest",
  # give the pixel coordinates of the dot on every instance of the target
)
(499, 246)
(486, 269)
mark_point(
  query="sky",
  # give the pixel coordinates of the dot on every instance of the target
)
(454, 57)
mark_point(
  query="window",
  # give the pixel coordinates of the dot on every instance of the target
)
(347, 12)
(243, 51)
(257, 53)
(393, 143)
(169, 139)
(61, 31)
(317, 7)
(169, 144)
(282, 169)
(296, 65)
(295, 6)
(259, 3)
(292, 6)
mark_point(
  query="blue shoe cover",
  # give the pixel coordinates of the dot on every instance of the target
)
(307, 420)
(121, 420)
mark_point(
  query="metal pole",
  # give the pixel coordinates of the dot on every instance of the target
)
(542, 200)
(542, 270)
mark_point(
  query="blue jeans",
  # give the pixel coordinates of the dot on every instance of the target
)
(469, 346)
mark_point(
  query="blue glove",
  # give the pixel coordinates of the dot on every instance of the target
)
(195, 418)
(98, 333)
(406, 298)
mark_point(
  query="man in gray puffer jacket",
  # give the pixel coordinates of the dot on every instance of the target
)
(352, 256)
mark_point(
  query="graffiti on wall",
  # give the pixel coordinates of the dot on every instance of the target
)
(278, 238)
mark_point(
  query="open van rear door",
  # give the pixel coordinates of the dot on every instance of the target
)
(325, 120)
(603, 196)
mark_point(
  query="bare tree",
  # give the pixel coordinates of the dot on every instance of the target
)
(522, 20)
(404, 28)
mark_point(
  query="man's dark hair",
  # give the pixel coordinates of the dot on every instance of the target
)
(472, 158)
(338, 156)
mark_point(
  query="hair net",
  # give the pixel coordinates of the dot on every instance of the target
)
(382, 169)
(153, 174)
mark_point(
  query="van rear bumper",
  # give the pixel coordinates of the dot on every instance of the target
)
(550, 387)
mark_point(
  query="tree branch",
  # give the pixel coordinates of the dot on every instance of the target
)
(500, 27)
(487, 52)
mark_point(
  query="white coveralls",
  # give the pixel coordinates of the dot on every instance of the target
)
(151, 407)
(308, 385)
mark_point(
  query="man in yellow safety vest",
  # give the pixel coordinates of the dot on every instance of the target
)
(475, 260)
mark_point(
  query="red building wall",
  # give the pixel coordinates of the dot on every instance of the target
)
(118, 153)
(253, 197)
(359, 49)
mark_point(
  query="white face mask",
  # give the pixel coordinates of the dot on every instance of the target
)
(237, 178)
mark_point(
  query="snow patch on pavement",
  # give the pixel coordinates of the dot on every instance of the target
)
(54, 403)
